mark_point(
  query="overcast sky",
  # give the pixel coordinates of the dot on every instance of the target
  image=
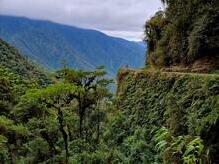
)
(120, 18)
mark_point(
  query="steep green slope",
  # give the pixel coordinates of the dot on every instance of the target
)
(50, 44)
(176, 109)
(11, 59)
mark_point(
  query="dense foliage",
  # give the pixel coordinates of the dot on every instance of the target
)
(11, 58)
(185, 32)
(177, 115)
(159, 118)
(156, 117)
(58, 123)
(51, 123)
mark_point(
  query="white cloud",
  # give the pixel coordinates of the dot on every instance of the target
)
(122, 18)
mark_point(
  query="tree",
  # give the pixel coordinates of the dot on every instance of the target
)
(94, 87)
(186, 31)
(12, 136)
(74, 90)
(53, 97)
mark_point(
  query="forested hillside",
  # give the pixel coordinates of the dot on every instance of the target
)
(186, 34)
(52, 123)
(51, 44)
(167, 112)
(11, 59)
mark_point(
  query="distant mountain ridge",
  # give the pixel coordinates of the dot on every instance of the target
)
(51, 44)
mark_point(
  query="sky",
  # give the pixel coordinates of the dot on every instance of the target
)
(120, 18)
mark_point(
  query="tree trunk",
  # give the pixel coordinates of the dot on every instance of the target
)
(81, 116)
(98, 124)
(69, 133)
(52, 148)
(98, 132)
(64, 134)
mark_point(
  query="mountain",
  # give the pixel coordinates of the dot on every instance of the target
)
(52, 44)
(11, 59)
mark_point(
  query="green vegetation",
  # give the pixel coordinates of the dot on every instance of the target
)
(156, 116)
(11, 59)
(62, 122)
(159, 118)
(178, 113)
(185, 32)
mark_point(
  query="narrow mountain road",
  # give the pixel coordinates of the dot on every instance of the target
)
(166, 72)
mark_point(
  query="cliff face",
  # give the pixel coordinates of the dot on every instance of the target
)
(186, 104)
